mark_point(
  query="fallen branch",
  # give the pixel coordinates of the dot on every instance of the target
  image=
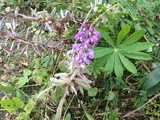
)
(150, 100)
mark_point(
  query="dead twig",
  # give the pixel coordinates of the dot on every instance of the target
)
(150, 100)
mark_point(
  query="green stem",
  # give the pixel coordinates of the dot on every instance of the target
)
(146, 38)
(23, 93)
(73, 3)
(104, 13)
(69, 105)
(44, 91)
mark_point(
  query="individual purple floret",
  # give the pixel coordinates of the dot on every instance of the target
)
(87, 37)
(90, 54)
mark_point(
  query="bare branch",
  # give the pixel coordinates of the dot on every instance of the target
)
(150, 100)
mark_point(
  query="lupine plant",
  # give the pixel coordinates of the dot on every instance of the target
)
(79, 57)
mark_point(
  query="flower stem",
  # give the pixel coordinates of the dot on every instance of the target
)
(69, 105)
(60, 106)
(44, 91)
(104, 13)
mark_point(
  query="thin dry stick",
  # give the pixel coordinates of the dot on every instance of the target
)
(150, 100)
(60, 106)
(87, 16)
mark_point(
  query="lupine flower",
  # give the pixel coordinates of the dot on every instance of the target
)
(87, 37)
(90, 54)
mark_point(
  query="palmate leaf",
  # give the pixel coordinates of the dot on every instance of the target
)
(118, 69)
(137, 55)
(105, 35)
(116, 58)
(134, 37)
(100, 62)
(102, 51)
(138, 46)
(110, 63)
(127, 64)
(122, 34)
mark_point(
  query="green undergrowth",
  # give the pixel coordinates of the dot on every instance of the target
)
(125, 72)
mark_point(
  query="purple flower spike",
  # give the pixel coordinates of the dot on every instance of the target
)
(83, 50)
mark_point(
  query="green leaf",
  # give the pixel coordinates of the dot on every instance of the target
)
(134, 37)
(89, 117)
(95, 74)
(23, 80)
(43, 72)
(11, 105)
(20, 94)
(101, 61)
(29, 106)
(102, 52)
(45, 61)
(150, 30)
(153, 79)
(138, 46)
(1, 6)
(137, 55)
(7, 89)
(111, 95)
(110, 63)
(92, 91)
(27, 72)
(97, 71)
(131, 9)
(23, 116)
(105, 35)
(153, 90)
(118, 69)
(128, 64)
(122, 34)
(68, 117)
